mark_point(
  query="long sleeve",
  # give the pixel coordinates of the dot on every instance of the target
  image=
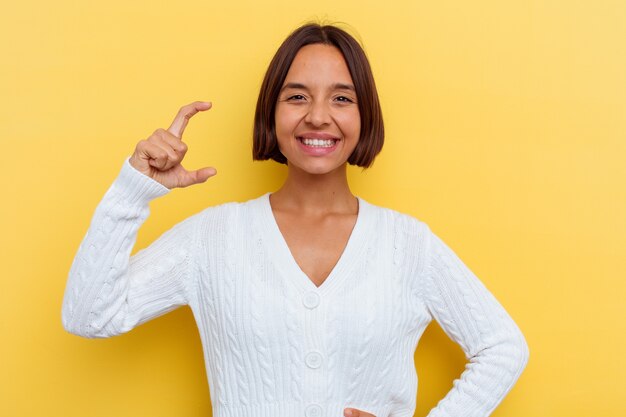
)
(470, 315)
(109, 292)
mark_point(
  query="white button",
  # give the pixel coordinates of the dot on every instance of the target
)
(313, 410)
(313, 360)
(311, 300)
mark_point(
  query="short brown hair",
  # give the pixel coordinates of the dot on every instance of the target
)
(265, 144)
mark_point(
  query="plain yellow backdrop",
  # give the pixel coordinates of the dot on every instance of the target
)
(506, 133)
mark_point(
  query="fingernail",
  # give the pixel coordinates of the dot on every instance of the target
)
(347, 413)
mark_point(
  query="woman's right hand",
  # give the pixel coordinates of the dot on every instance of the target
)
(160, 155)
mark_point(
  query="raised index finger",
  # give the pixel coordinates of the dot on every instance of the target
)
(184, 114)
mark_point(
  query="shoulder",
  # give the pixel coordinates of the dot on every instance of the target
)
(226, 213)
(399, 221)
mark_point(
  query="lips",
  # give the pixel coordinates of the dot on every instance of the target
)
(318, 139)
(317, 143)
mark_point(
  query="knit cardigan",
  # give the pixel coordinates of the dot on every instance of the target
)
(275, 344)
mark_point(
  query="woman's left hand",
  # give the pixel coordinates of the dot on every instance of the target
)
(353, 412)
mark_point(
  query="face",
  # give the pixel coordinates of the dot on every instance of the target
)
(317, 116)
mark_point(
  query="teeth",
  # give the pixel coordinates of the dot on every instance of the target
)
(320, 143)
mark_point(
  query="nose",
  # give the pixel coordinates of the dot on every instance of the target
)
(318, 114)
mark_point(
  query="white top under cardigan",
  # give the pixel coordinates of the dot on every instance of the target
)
(276, 345)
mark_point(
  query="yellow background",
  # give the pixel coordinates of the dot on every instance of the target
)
(506, 125)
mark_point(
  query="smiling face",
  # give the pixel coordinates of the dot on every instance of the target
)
(317, 116)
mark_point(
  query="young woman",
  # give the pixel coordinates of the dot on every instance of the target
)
(309, 301)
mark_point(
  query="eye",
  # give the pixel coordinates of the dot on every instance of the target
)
(344, 99)
(295, 97)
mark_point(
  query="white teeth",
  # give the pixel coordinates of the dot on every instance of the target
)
(320, 143)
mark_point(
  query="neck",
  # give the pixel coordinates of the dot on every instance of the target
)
(315, 193)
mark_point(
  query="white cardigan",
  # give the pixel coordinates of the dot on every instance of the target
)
(275, 344)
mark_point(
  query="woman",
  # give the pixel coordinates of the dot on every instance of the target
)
(309, 301)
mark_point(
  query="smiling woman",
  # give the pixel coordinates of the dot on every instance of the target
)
(339, 71)
(310, 301)
(313, 116)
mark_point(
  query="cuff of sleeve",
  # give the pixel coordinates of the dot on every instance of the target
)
(137, 187)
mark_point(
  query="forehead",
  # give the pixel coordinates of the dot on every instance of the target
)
(319, 64)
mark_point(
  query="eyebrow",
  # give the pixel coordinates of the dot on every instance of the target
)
(336, 86)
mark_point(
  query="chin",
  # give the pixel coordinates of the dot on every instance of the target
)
(318, 169)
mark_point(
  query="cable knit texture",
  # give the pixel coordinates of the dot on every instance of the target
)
(275, 344)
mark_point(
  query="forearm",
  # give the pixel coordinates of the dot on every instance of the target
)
(488, 377)
(98, 283)
(471, 316)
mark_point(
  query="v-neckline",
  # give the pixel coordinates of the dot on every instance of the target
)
(286, 262)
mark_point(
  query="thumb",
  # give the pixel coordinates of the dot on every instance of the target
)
(198, 176)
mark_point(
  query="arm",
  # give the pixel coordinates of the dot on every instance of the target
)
(108, 292)
(471, 316)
